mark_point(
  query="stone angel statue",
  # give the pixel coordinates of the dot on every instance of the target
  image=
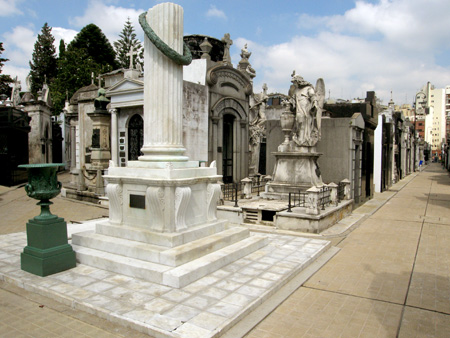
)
(306, 102)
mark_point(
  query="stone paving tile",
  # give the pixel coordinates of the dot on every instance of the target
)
(308, 312)
(41, 321)
(423, 323)
(16, 208)
(430, 284)
(374, 262)
(227, 294)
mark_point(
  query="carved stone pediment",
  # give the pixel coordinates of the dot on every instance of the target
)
(226, 76)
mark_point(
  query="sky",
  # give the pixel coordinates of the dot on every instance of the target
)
(392, 47)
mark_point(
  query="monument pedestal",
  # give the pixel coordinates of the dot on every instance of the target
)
(293, 171)
(163, 226)
(47, 251)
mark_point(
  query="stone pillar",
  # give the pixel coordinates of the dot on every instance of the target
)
(313, 201)
(163, 79)
(114, 137)
(247, 187)
(333, 193)
(215, 136)
(347, 190)
(73, 147)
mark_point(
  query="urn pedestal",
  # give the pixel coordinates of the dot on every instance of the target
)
(47, 251)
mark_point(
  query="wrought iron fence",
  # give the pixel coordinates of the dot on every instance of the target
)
(297, 199)
(231, 192)
(324, 197)
(258, 185)
(341, 191)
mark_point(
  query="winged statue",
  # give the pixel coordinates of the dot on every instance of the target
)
(306, 102)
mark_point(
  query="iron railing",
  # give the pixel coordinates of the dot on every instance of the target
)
(296, 199)
(341, 191)
(231, 192)
(258, 185)
(324, 197)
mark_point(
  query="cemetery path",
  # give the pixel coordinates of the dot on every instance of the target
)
(390, 278)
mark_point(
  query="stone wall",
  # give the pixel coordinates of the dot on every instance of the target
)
(195, 121)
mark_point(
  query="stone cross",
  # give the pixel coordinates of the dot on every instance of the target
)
(131, 53)
(226, 52)
(99, 78)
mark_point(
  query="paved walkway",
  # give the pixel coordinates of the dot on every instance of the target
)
(390, 278)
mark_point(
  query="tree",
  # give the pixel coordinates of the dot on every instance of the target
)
(123, 46)
(44, 62)
(5, 80)
(62, 48)
(96, 44)
(89, 52)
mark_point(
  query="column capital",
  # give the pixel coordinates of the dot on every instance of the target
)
(113, 111)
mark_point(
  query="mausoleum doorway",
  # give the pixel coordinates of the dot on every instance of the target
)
(135, 137)
(227, 151)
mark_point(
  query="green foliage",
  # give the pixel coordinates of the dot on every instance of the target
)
(5, 80)
(89, 52)
(123, 46)
(96, 44)
(44, 62)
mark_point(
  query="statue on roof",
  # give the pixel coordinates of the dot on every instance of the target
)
(226, 51)
(15, 92)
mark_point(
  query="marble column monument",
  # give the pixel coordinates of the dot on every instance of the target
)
(162, 212)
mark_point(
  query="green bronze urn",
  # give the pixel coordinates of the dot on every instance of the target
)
(47, 251)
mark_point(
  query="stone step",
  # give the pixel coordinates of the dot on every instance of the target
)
(176, 277)
(190, 272)
(169, 240)
(132, 267)
(157, 254)
(119, 246)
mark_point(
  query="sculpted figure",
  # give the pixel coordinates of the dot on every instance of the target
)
(257, 127)
(307, 104)
(15, 93)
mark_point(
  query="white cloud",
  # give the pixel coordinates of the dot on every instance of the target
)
(410, 24)
(20, 72)
(110, 19)
(213, 12)
(389, 45)
(9, 7)
(19, 44)
(350, 66)
(62, 33)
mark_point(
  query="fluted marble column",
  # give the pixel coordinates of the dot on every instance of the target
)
(114, 137)
(163, 88)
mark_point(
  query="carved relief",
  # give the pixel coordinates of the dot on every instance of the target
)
(182, 198)
(156, 202)
(229, 103)
(114, 193)
(212, 199)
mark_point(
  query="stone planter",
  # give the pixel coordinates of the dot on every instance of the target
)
(47, 251)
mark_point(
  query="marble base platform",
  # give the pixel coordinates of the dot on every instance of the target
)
(293, 171)
(209, 307)
(163, 226)
(152, 256)
(273, 214)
